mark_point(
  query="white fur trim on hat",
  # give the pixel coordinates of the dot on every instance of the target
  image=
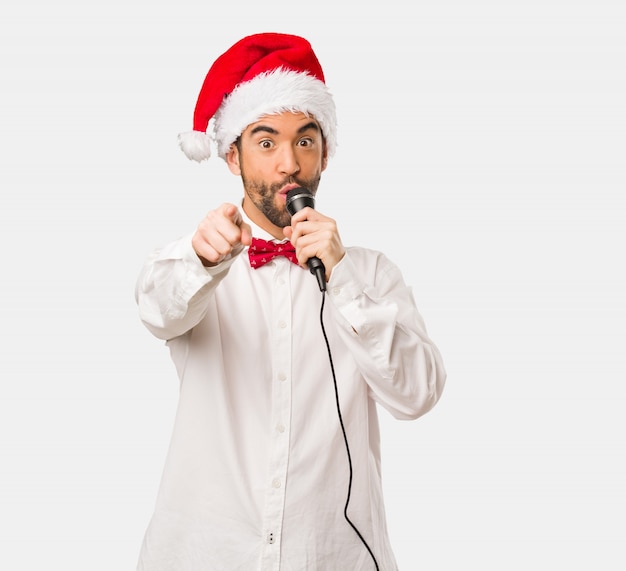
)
(271, 93)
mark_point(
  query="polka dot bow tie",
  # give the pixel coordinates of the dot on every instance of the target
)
(261, 252)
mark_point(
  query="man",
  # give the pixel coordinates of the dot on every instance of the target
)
(276, 430)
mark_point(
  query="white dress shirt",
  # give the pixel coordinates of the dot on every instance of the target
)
(256, 477)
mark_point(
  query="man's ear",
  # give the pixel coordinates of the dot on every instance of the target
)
(232, 160)
(325, 157)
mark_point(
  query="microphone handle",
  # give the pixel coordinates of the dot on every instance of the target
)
(316, 266)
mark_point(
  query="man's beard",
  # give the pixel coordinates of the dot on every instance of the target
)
(263, 195)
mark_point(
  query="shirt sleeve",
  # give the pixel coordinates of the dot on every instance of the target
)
(384, 331)
(173, 288)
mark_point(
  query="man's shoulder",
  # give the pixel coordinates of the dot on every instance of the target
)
(363, 253)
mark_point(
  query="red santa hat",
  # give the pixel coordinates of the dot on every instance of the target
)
(260, 75)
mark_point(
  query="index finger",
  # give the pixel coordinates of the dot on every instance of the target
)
(232, 212)
(234, 215)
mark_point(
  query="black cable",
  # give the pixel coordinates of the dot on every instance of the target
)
(345, 437)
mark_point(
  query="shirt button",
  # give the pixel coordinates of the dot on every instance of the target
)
(335, 291)
(282, 377)
(280, 427)
(276, 483)
(282, 324)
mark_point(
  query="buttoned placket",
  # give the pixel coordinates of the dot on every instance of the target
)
(281, 413)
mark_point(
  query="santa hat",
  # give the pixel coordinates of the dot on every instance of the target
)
(260, 75)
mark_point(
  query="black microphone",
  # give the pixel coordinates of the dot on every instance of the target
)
(297, 199)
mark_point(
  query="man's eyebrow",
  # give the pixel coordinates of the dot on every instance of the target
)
(312, 125)
(264, 129)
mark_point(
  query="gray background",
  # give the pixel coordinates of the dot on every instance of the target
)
(481, 145)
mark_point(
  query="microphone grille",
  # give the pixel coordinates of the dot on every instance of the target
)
(298, 198)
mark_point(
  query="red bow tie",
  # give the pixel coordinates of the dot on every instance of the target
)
(261, 251)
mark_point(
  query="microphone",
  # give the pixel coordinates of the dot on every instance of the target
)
(297, 199)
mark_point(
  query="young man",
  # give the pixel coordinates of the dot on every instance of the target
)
(274, 462)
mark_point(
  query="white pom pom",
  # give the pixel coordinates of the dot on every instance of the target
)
(195, 144)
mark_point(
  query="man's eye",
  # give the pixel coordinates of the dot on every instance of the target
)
(305, 142)
(265, 144)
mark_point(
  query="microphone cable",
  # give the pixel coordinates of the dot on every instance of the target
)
(343, 430)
